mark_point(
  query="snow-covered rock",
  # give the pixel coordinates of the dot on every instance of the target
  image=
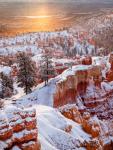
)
(52, 133)
(18, 128)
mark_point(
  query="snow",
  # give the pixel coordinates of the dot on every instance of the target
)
(3, 145)
(16, 148)
(5, 69)
(50, 122)
(18, 92)
(21, 134)
(43, 95)
(51, 129)
(106, 87)
(73, 71)
(51, 126)
(67, 107)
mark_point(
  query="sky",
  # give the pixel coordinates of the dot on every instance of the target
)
(102, 1)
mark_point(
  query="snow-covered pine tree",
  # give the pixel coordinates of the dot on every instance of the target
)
(46, 66)
(27, 77)
(6, 85)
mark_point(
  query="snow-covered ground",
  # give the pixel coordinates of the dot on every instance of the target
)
(52, 135)
(43, 95)
(50, 122)
(5, 69)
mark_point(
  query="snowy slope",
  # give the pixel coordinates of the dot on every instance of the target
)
(51, 125)
(43, 95)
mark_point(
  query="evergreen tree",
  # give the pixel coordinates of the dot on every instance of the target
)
(46, 66)
(27, 72)
(6, 86)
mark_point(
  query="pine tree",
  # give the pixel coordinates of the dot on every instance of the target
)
(6, 85)
(46, 66)
(27, 72)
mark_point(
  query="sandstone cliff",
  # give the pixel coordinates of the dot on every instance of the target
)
(75, 83)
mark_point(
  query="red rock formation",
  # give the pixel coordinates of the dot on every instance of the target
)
(30, 146)
(108, 146)
(109, 75)
(87, 60)
(92, 145)
(60, 67)
(71, 112)
(65, 92)
(90, 126)
(18, 128)
(111, 60)
(96, 73)
(98, 130)
(74, 84)
(68, 128)
(82, 80)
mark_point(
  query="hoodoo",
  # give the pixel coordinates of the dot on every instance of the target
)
(18, 129)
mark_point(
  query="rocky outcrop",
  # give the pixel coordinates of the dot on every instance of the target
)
(87, 60)
(98, 129)
(108, 146)
(111, 59)
(100, 132)
(18, 129)
(92, 145)
(65, 91)
(109, 74)
(90, 125)
(75, 82)
(71, 112)
(83, 85)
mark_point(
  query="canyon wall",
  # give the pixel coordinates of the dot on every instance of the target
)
(88, 99)
(83, 85)
(18, 129)
(76, 83)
